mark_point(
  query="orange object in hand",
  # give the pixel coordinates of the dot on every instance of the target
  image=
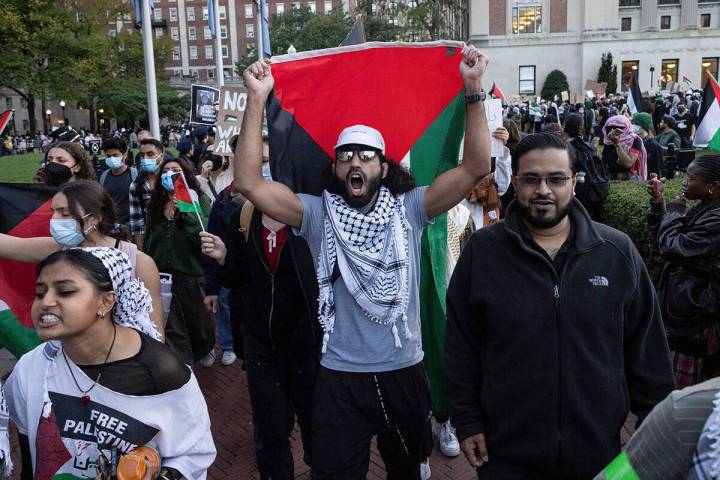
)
(143, 463)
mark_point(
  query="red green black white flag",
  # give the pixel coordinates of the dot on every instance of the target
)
(708, 131)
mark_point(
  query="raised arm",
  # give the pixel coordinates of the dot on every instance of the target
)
(452, 186)
(272, 198)
(31, 250)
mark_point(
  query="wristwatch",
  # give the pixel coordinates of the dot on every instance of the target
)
(475, 97)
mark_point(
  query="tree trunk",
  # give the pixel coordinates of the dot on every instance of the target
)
(46, 123)
(31, 113)
(91, 111)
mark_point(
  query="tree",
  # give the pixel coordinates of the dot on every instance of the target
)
(419, 20)
(305, 30)
(608, 73)
(125, 100)
(246, 60)
(555, 83)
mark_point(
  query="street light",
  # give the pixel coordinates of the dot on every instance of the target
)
(62, 105)
(101, 120)
(652, 74)
(48, 117)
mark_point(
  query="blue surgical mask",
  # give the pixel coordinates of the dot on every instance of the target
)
(66, 232)
(167, 181)
(636, 129)
(150, 165)
(114, 162)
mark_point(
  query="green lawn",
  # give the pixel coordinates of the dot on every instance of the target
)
(19, 168)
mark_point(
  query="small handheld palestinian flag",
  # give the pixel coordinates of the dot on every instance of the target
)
(708, 131)
(496, 92)
(186, 197)
(634, 95)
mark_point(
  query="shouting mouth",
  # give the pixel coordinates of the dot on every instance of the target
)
(356, 182)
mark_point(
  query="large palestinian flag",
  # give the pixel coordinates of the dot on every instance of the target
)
(634, 97)
(24, 212)
(708, 131)
(412, 93)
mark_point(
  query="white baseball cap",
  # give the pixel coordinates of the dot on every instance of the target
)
(361, 135)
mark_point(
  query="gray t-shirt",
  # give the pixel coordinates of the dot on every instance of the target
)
(358, 344)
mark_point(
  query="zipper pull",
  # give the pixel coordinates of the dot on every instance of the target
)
(556, 292)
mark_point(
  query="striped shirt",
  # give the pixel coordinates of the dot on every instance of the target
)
(137, 207)
(663, 446)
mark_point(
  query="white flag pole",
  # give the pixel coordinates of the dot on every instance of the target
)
(219, 73)
(258, 32)
(147, 37)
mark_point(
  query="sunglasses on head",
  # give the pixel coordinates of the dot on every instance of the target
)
(347, 155)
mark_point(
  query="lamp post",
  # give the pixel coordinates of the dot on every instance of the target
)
(101, 121)
(62, 105)
(48, 117)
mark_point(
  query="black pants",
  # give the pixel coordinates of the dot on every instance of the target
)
(190, 329)
(500, 468)
(281, 383)
(351, 408)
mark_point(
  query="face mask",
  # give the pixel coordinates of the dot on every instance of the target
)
(636, 129)
(167, 181)
(56, 174)
(66, 232)
(150, 165)
(114, 162)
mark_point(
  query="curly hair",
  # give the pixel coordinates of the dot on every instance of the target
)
(398, 179)
(160, 196)
(78, 153)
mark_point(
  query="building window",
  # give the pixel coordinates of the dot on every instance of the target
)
(249, 30)
(176, 53)
(211, 73)
(174, 33)
(8, 102)
(669, 72)
(221, 10)
(527, 19)
(207, 33)
(248, 10)
(173, 14)
(191, 14)
(705, 20)
(629, 3)
(328, 7)
(192, 33)
(527, 79)
(297, 4)
(708, 64)
(193, 52)
(208, 52)
(626, 24)
(205, 13)
(158, 13)
(626, 70)
(223, 32)
(112, 33)
(158, 32)
(665, 22)
(224, 50)
(279, 8)
(313, 7)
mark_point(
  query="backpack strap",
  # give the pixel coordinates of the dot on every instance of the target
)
(103, 176)
(246, 213)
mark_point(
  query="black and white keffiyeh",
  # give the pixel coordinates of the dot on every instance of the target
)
(371, 250)
(706, 459)
(133, 304)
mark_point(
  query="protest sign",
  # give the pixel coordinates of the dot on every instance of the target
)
(233, 100)
(202, 110)
(493, 111)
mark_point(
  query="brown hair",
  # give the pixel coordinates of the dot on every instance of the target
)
(160, 196)
(86, 172)
(94, 199)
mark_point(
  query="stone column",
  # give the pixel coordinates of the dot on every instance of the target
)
(689, 14)
(648, 15)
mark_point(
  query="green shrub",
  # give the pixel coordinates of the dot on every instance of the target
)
(555, 83)
(626, 209)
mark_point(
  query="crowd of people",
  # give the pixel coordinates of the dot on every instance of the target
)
(554, 331)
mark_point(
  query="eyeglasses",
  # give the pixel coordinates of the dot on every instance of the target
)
(365, 156)
(553, 181)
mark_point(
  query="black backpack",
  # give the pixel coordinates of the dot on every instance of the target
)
(596, 187)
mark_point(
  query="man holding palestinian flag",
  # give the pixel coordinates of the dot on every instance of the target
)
(364, 233)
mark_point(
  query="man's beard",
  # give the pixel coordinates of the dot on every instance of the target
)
(339, 187)
(543, 219)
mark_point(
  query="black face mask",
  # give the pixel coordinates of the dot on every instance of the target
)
(56, 174)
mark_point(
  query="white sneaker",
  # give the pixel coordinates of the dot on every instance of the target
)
(228, 357)
(425, 470)
(208, 360)
(447, 440)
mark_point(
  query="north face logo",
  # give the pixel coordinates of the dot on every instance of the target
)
(599, 281)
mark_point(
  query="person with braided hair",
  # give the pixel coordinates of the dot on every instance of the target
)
(688, 241)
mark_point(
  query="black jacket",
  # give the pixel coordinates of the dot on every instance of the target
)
(547, 364)
(689, 245)
(281, 307)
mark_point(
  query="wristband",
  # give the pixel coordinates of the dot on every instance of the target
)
(475, 97)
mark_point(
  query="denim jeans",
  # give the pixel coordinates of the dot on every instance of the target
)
(223, 321)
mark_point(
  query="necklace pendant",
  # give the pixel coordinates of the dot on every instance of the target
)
(85, 399)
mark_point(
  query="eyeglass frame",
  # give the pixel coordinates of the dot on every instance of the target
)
(523, 180)
(355, 151)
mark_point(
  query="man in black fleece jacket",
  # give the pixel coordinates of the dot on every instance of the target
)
(554, 331)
